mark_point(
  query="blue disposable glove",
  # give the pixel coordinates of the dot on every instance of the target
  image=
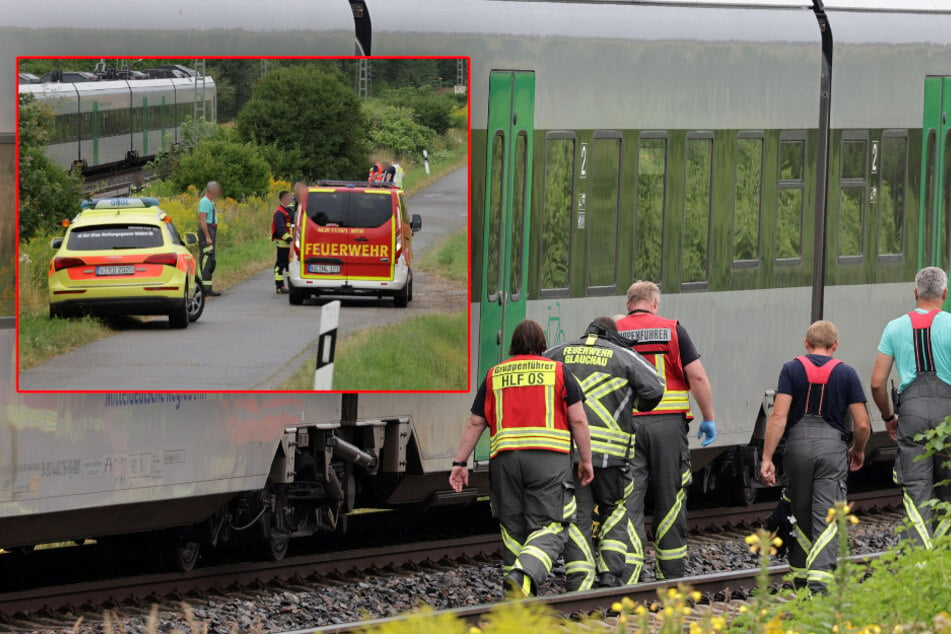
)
(709, 429)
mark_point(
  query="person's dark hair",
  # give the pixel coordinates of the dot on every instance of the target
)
(607, 322)
(283, 193)
(528, 338)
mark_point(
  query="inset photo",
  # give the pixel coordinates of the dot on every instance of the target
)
(236, 224)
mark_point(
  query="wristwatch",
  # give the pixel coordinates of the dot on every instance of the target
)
(888, 419)
(460, 463)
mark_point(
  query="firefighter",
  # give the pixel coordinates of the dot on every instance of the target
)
(532, 407)
(661, 455)
(376, 170)
(615, 380)
(812, 397)
(207, 234)
(919, 345)
(281, 228)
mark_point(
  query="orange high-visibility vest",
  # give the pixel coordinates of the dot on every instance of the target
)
(525, 405)
(656, 338)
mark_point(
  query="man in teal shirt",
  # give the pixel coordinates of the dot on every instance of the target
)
(207, 232)
(919, 344)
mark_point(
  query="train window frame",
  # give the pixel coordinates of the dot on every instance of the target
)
(699, 285)
(499, 279)
(650, 135)
(604, 289)
(786, 184)
(898, 256)
(852, 184)
(517, 272)
(749, 135)
(572, 211)
(930, 152)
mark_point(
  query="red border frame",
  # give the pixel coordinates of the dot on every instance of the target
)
(303, 57)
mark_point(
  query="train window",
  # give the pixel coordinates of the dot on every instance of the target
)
(853, 159)
(789, 211)
(651, 192)
(518, 214)
(695, 238)
(852, 199)
(556, 214)
(790, 160)
(602, 224)
(930, 160)
(851, 221)
(891, 197)
(748, 200)
(493, 257)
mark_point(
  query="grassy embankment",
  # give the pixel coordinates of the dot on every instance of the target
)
(421, 353)
(242, 252)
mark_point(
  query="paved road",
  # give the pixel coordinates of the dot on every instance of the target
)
(250, 338)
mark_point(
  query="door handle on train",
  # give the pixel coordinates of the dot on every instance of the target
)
(498, 337)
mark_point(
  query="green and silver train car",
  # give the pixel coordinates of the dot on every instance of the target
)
(692, 143)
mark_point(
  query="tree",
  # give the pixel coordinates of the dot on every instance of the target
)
(239, 168)
(48, 194)
(429, 109)
(393, 128)
(310, 113)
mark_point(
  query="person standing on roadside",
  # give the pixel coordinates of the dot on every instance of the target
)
(207, 234)
(661, 452)
(615, 380)
(281, 228)
(813, 396)
(533, 409)
(919, 345)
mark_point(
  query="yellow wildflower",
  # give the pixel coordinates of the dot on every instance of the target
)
(617, 607)
(718, 623)
(696, 596)
(627, 602)
(751, 539)
(744, 609)
(777, 542)
(640, 610)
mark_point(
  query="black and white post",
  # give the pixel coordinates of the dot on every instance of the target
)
(426, 161)
(326, 344)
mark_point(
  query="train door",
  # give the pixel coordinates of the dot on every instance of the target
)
(508, 198)
(934, 228)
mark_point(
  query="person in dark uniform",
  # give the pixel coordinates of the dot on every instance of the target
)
(281, 228)
(919, 345)
(661, 453)
(814, 393)
(615, 380)
(207, 235)
(533, 409)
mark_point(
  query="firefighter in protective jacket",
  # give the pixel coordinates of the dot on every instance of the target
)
(615, 381)
(281, 236)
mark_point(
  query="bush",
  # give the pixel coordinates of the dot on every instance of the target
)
(459, 119)
(47, 192)
(312, 120)
(240, 169)
(393, 128)
(429, 109)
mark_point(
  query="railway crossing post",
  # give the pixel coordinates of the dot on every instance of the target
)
(326, 344)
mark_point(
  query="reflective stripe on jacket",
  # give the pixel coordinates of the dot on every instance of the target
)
(656, 339)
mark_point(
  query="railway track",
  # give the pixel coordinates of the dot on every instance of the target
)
(716, 588)
(69, 601)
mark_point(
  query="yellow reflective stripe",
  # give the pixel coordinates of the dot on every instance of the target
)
(671, 516)
(498, 409)
(585, 566)
(804, 542)
(550, 406)
(570, 509)
(798, 573)
(597, 386)
(671, 554)
(607, 435)
(510, 543)
(530, 438)
(609, 449)
(916, 520)
(821, 542)
(942, 528)
(822, 576)
(537, 553)
(636, 557)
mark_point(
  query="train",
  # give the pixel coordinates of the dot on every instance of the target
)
(105, 122)
(767, 162)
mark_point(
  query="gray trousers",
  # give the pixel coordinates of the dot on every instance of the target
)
(207, 262)
(618, 550)
(923, 405)
(662, 463)
(815, 469)
(533, 496)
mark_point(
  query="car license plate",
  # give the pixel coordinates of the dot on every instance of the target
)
(323, 268)
(116, 269)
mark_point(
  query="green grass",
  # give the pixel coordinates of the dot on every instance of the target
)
(423, 353)
(449, 257)
(42, 337)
